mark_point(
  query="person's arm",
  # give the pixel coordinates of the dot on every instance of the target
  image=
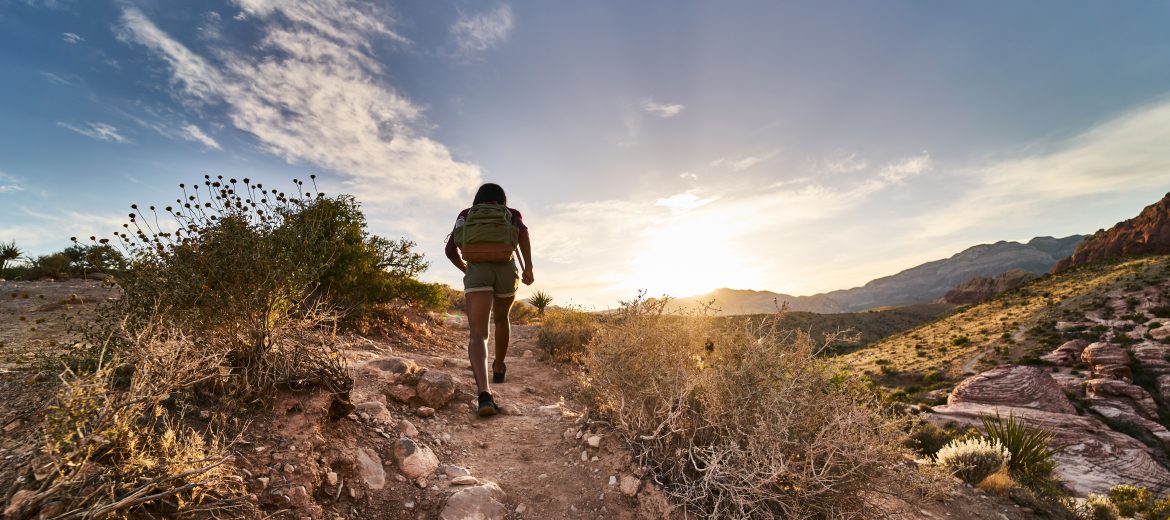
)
(453, 253)
(526, 252)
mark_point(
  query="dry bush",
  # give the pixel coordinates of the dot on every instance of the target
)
(116, 441)
(973, 459)
(737, 419)
(564, 332)
(522, 313)
(998, 483)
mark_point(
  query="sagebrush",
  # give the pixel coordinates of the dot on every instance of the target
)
(736, 419)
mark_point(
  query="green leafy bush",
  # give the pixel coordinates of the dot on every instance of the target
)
(1130, 500)
(973, 459)
(1031, 461)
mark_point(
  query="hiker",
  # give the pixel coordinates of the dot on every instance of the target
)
(482, 245)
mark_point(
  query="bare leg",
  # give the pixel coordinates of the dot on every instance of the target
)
(479, 305)
(501, 308)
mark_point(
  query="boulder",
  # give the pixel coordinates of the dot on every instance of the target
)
(370, 469)
(389, 370)
(1067, 354)
(1160, 333)
(1104, 354)
(1123, 394)
(414, 461)
(482, 502)
(401, 393)
(1140, 427)
(377, 412)
(1013, 386)
(1153, 357)
(436, 388)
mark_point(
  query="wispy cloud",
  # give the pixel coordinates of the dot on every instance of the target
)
(907, 167)
(663, 110)
(479, 32)
(72, 38)
(744, 163)
(102, 131)
(684, 201)
(309, 92)
(194, 134)
(846, 163)
(9, 184)
(57, 79)
(1126, 155)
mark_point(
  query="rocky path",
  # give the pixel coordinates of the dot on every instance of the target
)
(546, 460)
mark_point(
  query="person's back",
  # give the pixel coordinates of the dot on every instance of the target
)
(482, 245)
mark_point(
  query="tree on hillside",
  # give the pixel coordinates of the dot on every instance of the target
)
(8, 253)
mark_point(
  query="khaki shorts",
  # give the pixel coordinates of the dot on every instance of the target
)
(501, 278)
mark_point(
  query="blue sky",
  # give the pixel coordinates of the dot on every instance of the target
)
(671, 146)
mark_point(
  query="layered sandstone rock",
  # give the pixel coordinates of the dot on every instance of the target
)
(1013, 386)
(1067, 354)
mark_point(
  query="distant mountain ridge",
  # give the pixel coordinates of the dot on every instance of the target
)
(921, 284)
(1146, 234)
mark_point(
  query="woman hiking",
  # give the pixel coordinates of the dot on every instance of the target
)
(482, 245)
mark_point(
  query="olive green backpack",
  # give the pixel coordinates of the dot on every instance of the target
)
(487, 234)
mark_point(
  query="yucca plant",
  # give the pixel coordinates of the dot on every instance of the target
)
(540, 300)
(8, 253)
(1031, 462)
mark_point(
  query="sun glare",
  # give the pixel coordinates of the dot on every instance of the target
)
(690, 255)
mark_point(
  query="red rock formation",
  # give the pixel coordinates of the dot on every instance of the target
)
(1148, 233)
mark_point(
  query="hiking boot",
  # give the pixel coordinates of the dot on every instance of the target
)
(487, 406)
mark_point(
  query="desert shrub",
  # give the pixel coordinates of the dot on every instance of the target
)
(927, 438)
(1159, 510)
(564, 332)
(1031, 460)
(117, 441)
(1130, 500)
(960, 341)
(9, 253)
(973, 459)
(754, 426)
(998, 483)
(522, 313)
(1098, 507)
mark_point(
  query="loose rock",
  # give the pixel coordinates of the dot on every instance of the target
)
(370, 469)
(482, 502)
(414, 461)
(436, 388)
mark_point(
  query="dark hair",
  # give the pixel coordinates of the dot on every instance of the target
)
(490, 192)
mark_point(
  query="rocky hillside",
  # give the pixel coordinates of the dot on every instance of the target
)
(981, 288)
(1146, 234)
(1084, 353)
(922, 284)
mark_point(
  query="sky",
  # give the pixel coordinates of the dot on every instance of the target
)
(675, 147)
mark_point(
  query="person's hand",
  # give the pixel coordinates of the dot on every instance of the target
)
(527, 278)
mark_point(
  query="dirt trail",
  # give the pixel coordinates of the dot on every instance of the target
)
(532, 450)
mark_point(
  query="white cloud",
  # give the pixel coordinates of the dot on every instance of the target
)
(846, 163)
(663, 110)
(211, 27)
(746, 162)
(55, 78)
(907, 167)
(1126, 155)
(194, 134)
(9, 188)
(72, 38)
(480, 32)
(688, 175)
(309, 92)
(102, 131)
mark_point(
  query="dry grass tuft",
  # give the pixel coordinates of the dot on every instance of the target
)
(999, 483)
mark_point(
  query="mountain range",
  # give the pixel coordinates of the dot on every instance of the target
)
(920, 284)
